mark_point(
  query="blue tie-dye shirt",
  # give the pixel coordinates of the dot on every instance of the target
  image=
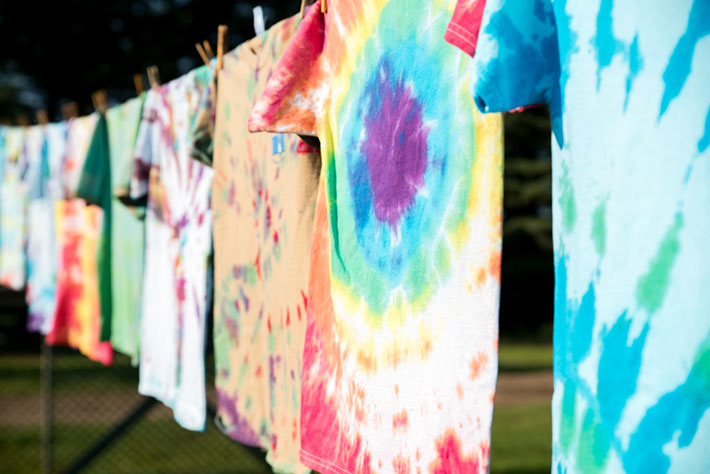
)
(628, 86)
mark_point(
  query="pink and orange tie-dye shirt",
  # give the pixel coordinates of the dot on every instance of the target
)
(77, 318)
(400, 359)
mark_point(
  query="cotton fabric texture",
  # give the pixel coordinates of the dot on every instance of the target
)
(13, 205)
(45, 150)
(104, 182)
(177, 248)
(77, 318)
(627, 86)
(263, 200)
(401, 341)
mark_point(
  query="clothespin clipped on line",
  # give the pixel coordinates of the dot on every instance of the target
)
(208, 49)
(70, 110)
(100, 100)
(259, 22)
(23, 120)
(202, 53)
(323, 7)
(138, 82)
(221, 45)
(42, 117)
(153, 77)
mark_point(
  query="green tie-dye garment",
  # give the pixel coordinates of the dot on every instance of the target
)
(105, 180)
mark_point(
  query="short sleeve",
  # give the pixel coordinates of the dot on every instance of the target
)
(465, 24)
(517, 60)
(293, 99)
(95, 179)
(203, 125)
(126, 118)
(143, 154)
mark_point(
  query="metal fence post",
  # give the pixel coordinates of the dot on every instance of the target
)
(46, 390)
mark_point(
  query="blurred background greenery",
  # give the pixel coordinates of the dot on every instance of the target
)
(55, 52)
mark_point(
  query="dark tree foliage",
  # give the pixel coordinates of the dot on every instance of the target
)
(58, 51)
(527, 280)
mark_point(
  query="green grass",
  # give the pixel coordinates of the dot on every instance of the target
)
(177, 451)
(20, 374)
(521, 439)
(523, 357)
(520, 444)
(521, 434)
(19, 450)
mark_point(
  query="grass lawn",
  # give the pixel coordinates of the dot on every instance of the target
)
(520, 439)
(524, 357)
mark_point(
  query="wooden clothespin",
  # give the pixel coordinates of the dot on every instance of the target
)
(221, 45)
(138, 82)
(100, 100)
(103, 98)
(70, 110)
(23, 120)
(153, 77)
(42, 117)
(323, 7)
(208, 49)
(202, 53)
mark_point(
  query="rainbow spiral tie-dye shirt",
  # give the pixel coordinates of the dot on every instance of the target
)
(178, 243)
(628, 86)
(400, 359)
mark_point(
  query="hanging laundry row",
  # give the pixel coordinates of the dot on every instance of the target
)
(352, 253)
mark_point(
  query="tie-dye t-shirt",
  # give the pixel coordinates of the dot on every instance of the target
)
(77, 319)
(627, 84)
(263, 200)
(177, 247)
(401, 344)
(13, 206)
(103, 181)
(45, 148)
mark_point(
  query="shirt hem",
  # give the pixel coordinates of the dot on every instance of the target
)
(319, 464)
(233, 434)
(458, 36)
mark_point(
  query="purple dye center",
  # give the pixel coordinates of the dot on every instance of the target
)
(395, 146)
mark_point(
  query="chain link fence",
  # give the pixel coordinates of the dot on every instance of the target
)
(63, 413)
